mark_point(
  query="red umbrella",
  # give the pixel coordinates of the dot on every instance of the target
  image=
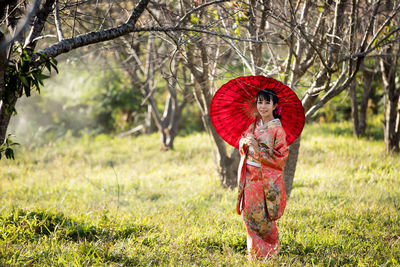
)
(233, 107)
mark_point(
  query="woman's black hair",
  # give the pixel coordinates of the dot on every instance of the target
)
(268, 95)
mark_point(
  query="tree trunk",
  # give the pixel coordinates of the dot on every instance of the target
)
(256, 29)
(167, 142)
(170, 129)
(227, 166)
(362, 123)
(148, 124)
(5, 118)
(392, 116)
(3, 69)
(354, 108)
(228, 169)
(290, 167)
(310, 97)
(392, 113)
(291, 162)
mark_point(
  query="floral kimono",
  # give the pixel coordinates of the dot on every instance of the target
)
(262, 196)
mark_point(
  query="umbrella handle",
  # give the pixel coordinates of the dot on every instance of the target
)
(254, 128)
(254, 124)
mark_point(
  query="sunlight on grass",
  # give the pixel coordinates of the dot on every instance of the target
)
(121, 201)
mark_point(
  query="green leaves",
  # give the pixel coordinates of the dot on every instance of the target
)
(7, 148)
(23, 73)
(383, 38)
(26, 71)
(194, 19)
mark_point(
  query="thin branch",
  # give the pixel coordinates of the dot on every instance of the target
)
(69, 44)
(3, 6)
(334, 91)
(57, 22)
(367, 49)
(133, 53)
(184, 29)
(159, 23)
(329, 69)
(364, 53)
(230, 42)
(44, 36)
(198, 8)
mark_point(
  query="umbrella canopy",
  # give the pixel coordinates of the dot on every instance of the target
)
(233, 107)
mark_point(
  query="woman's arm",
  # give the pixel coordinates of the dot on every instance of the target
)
(275, 156)
(243, 143)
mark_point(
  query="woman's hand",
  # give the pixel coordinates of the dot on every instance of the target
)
(250, 140)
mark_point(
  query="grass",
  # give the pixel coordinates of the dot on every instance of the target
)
(120, 201)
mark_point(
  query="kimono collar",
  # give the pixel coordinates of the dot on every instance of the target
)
(271, 123)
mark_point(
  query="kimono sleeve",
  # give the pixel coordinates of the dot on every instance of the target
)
(274, 160)
(275, 157)
(275, 197)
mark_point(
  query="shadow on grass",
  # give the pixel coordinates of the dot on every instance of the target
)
(21, 224)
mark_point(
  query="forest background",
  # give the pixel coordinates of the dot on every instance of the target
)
(80, 78)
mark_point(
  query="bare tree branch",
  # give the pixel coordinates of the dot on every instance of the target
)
(39, 21)
(334, 91)
(230, 42)
(377, 45)
(57, 22)
(198, 8)
(44, 36)
(185, 29)
(69, 44)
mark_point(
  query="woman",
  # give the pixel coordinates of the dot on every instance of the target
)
(262, 196)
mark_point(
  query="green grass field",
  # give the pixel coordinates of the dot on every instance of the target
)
(120, 201)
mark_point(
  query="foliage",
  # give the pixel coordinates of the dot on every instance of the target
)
(336, 110)
(23, 74)
(115, 102)
(191, 120)
(107, 201)
(339, 108)
(7, 148)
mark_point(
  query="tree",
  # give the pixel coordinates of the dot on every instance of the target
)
(19, 50)
(20, 45)
(146, 60)
(389, 64)
(305, 40)
(197, 54)
(359, 107)
(325, 38)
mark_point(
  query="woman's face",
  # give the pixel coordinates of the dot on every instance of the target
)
(265, 108)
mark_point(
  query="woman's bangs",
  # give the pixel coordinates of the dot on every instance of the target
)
(264, 96)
